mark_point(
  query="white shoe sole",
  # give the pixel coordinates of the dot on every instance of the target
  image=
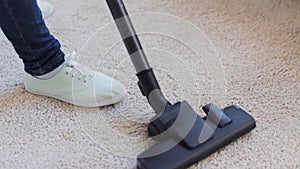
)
(115, 99)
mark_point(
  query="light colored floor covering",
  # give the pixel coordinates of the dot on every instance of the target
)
(258, 45)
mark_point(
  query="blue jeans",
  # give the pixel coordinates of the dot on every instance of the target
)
(23, 25)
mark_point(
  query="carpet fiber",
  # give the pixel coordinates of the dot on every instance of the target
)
(255, 49)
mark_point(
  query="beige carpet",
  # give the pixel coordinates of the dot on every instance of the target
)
(257, 52)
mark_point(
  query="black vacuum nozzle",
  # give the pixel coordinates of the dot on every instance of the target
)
(204, 137)
(182, 122)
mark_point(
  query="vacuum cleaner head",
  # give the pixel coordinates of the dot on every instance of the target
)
(205, 137)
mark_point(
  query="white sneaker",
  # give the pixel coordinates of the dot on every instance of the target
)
(46, 8)
(79, 86)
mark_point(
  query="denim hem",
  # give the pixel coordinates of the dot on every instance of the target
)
(52, 64)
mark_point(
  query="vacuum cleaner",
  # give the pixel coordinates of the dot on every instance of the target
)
(182, 136)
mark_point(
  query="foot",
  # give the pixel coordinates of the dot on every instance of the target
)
(77, 85)
(46, 8)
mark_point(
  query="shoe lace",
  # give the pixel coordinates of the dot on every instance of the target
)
(76, 68)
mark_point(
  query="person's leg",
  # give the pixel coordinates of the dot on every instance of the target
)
(23, 24)
(45, 73)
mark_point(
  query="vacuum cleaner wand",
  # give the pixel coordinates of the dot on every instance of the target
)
(147, 80)
(191, 137)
